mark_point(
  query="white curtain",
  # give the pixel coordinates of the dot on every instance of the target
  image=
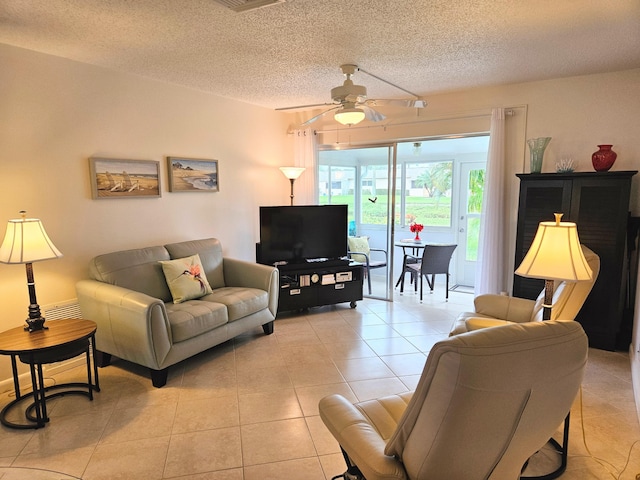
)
(491, 248)
(305, 155)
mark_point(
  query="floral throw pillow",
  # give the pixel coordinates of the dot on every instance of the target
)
(186, 278)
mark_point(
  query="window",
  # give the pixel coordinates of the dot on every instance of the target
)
(428, 200)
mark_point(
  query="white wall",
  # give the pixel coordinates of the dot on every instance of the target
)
(56, 113)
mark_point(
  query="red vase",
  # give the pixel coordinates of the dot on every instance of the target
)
(417, 239)
(603, 159)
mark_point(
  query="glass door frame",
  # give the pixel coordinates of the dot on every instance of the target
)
(390, 207)
(397, 204)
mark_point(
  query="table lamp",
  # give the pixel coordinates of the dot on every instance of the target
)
(555, 254)
(292, 173)
(26, 242)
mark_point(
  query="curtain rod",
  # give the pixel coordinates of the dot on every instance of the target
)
(509, 112)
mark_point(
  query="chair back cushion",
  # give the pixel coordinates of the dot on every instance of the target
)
(360, 245)
(488, 399)
(568, 297)
(436, 259)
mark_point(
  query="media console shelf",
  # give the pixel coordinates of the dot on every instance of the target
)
(314, 284)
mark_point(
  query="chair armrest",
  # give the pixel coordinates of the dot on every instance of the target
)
(380, 250)
(513, 309)
(477, 323)
(358, 438)
(240, 273)
(131, 325)
(366, 257)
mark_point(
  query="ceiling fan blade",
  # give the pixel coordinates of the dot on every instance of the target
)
(306, 106)
(371, 114)
(313, 119)
(411, 103)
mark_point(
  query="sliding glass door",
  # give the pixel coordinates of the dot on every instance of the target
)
(437, 182)
(360, 178)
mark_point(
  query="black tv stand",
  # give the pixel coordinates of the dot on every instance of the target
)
(313, 284)
(313, 263)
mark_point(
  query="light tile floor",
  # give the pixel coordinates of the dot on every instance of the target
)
(247, 410)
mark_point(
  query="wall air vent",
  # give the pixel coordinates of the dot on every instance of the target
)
(246, 5)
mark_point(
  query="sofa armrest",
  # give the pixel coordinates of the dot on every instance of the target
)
(131, 325)
(513, 309)
(240, 273)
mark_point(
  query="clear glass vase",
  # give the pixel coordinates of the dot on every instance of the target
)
(537, 147)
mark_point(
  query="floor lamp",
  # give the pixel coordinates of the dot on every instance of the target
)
(292, 173)
(555, 254)
(26, 242)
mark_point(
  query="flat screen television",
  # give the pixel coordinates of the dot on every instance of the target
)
(301, 233)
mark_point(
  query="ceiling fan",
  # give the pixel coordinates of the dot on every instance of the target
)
(350, 102)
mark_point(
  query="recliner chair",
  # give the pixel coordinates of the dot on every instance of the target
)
(494, 310)
(485, 403)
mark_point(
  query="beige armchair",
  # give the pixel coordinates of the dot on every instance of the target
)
(494, 310)
(485, 403)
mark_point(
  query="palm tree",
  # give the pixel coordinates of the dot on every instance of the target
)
(476, 189)
(425, 181)
(436, 178)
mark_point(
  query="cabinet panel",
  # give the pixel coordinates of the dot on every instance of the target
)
(542, 199)
(312, 286)
(600, 209)
(598, 202)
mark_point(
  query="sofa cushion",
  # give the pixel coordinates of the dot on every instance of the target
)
(186, 278)
(210, 251)
(136, 270)
(194, 317)
(240, 301)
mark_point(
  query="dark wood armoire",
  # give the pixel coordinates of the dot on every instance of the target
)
(598, 202)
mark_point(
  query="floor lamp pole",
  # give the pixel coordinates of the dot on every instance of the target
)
(548, 300)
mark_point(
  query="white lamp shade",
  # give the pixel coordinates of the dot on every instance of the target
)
(349, 116)
(555, 254)
(26, 241)
(292, 173)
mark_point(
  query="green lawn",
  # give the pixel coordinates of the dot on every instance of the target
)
(432, 212)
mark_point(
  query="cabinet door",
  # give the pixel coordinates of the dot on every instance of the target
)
(600, 209)
(539, 200)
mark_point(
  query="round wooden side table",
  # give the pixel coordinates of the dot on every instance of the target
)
(62, 340)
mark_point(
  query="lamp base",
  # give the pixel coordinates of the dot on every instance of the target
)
(35, 324)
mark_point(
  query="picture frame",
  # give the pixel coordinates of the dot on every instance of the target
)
(124, 178)
(193, 175)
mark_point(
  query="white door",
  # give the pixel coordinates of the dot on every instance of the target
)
(471, 186)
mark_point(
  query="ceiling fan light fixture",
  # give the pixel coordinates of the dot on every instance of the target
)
(349, 116)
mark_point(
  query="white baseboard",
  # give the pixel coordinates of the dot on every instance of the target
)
(6, 385)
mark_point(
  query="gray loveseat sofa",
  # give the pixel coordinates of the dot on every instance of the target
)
(128, 297)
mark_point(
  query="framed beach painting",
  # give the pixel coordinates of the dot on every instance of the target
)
(121, 178)
(193, 175)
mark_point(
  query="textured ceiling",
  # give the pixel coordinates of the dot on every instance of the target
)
(290, 53)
